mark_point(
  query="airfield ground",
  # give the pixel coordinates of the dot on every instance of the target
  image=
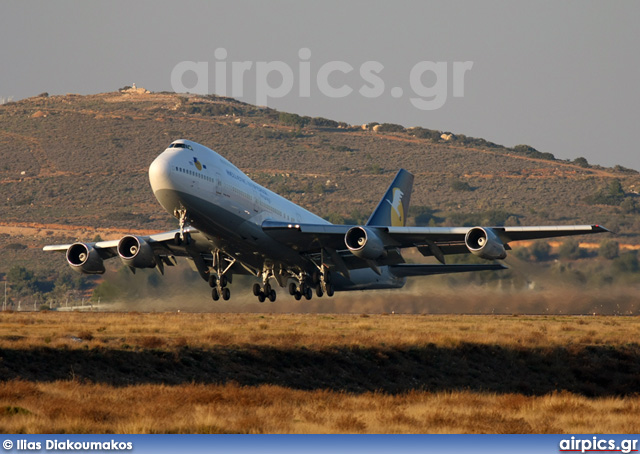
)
(255, 373)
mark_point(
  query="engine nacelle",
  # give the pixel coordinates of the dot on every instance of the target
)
(364, 243)
(136, 252)
(84, 259)
(484, 243)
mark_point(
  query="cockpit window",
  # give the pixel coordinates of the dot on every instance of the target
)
(181, 145)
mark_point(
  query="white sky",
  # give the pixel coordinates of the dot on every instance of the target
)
(559, 76)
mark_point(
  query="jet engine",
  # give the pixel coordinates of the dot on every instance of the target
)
(484, 243)
(364, 243)
(136, 252)
(84, 259)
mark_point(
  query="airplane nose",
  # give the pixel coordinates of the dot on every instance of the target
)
(160, 173)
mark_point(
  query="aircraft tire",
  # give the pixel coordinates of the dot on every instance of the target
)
(223, 281)
(256, 289)
(214, 294)
(177, 239)
(212, 280)
(329, 290)
(297, 296)
(292, 289)
(261, 297)
(319, 290)
(267, 289)
(272, 296)
(226, 294)
(308, 294)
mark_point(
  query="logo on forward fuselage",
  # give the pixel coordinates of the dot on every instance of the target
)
(198, 164)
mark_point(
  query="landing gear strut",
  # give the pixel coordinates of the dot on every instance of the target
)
(265, 291)
(182, 236)
(218, 280)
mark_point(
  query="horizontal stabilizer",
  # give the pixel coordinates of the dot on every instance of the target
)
(406, 270)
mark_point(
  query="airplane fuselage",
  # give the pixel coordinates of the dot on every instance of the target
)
(229, 208)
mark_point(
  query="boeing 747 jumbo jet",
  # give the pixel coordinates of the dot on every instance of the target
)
(231, 225)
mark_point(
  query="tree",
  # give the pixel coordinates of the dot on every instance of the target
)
(571, 250)
(21, 280)
(582, 162)
(541, 251)
(609, 249)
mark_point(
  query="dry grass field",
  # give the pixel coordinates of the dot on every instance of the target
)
(322, 373)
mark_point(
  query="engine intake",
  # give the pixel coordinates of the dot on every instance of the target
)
(364, 243)
(84, 259)
(484, 243)
(136, 252)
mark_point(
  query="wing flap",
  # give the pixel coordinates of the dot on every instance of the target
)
(407, 270)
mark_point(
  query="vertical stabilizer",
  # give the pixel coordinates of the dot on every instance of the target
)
(394, 206)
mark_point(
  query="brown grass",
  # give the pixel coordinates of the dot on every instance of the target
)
(228, 373)
(73, 407)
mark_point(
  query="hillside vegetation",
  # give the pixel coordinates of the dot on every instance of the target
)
(72, 165)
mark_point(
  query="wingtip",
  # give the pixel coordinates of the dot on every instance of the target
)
(598, 228)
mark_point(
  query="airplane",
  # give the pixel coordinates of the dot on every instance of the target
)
(229, 225)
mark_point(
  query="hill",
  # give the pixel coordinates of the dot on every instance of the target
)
(75, 166)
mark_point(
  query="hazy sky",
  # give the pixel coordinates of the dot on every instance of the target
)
(561, 76)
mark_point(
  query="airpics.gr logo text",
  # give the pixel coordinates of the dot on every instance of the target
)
(428, 81)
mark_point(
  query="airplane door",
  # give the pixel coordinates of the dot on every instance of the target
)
(218, 184)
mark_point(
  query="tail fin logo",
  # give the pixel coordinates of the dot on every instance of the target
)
(397, 214)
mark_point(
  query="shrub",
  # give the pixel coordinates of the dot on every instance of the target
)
(459, 185)
(390, 127)
(323, 122)
(292, 119)
(15, 246)
(423, 133)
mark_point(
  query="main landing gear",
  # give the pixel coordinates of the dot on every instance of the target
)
(320, 282)
(219, 288)
(264, 291)
(218, 280)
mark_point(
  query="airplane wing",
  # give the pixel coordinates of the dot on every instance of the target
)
(436, 241)
(162, 242)
(154, 250)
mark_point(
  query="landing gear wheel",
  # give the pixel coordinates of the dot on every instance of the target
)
(297, 296)
(329, 290)
(214, 294)
(256, 289)
(187, 238)
(292, 288)
(261, 297)
(267, 289)
(308, 294)
(272, 295)
(212, 280)
(223, 281)
(177, 239)
(319, 290)
(226, 294)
